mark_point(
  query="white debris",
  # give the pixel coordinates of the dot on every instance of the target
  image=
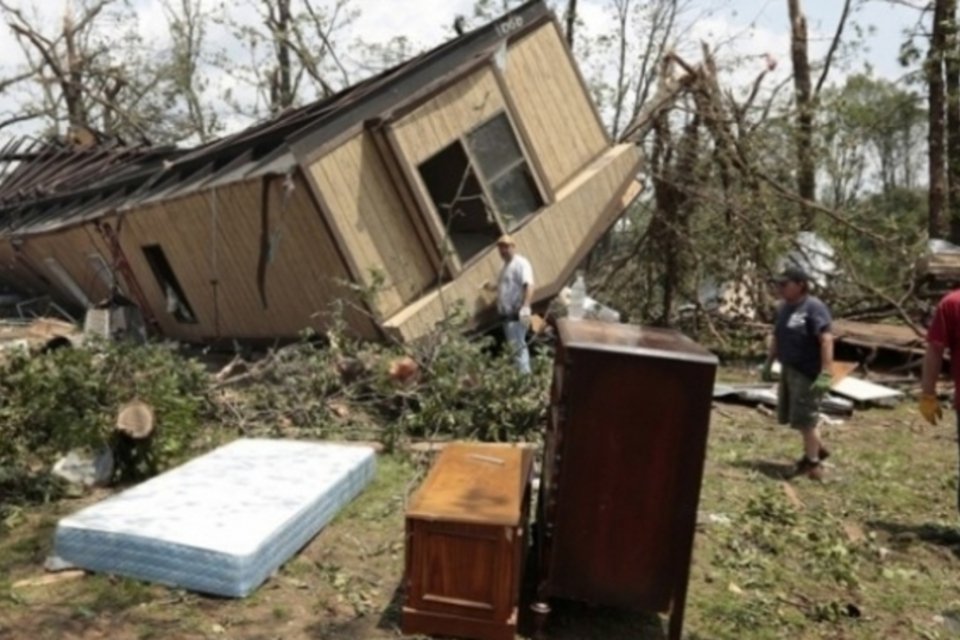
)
(85, 469)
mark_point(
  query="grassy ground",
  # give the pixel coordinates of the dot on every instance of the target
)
(872, 552)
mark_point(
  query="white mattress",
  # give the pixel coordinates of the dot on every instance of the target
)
(223, 522)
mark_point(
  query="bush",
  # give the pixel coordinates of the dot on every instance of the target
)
(467, 391)
(336, 387)
(68, 398)
(343, 388)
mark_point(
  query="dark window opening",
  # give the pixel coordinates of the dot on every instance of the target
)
(505, 171)
(459, 199)
(176, 300)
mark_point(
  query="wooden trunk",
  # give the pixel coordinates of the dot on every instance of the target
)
(466, 543)
(625, 448)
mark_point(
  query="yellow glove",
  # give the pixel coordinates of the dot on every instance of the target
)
(930, 408)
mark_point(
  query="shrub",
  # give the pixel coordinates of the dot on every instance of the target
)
(340, 387)
(68, 398)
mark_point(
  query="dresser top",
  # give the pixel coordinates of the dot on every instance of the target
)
(475, 483)
(631, 339)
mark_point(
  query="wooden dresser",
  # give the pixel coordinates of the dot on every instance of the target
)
(466, 542)
(623, 461)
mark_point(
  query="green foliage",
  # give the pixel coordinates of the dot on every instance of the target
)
(341, 387)
(470, 393)
(68, 398)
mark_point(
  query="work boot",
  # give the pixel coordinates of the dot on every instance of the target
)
(806, 466)
(816, 471)
(821, 456)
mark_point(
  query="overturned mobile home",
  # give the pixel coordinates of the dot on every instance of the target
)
(389, 195)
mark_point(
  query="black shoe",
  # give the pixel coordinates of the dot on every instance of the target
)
(821, 456)
(808, 467)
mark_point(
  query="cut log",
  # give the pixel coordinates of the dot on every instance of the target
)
(135, 420)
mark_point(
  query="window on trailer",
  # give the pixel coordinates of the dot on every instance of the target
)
(486, 165)
(505, 170)
(459, 199)
(176, 301)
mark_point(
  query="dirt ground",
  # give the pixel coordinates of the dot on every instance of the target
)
(871, 552)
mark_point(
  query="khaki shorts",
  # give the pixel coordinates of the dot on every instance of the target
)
(798, 405)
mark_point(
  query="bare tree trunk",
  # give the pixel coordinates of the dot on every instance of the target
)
(279, 20)
(72, 80)
(665, 207)
(952, 68)
(806, 165)
(622, 8)
(571, 19)
(936, 109)
(187, 26)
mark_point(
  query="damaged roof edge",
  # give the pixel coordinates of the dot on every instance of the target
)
(296, 131)
(425, 76)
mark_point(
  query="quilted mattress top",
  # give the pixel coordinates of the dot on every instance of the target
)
(228, 500)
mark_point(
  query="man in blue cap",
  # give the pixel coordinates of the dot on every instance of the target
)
(803, 344)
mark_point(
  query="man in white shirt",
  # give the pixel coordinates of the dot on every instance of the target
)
(514, 294)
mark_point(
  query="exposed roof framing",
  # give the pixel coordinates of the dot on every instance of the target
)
(44, 186)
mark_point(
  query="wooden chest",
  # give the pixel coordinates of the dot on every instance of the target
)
(466, 543)
(623, 461)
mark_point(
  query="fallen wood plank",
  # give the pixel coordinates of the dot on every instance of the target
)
(880, 336)
(765, 395)
(944, 266)
(49, 578)
(841, 369)
(865, 391)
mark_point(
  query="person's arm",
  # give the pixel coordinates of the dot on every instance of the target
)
(929, 405)
(932, 363)
(527, 275)
(766, 373)
(826, 351)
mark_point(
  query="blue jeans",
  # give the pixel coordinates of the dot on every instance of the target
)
(516, 334)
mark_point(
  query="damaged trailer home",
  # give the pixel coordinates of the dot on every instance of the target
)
(396, 187)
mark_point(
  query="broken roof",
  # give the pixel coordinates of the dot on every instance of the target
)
(47, 186)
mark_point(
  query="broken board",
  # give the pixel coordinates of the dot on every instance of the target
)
(864, 391)
(767, 396)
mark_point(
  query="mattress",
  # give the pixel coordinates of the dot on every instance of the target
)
(223, 522)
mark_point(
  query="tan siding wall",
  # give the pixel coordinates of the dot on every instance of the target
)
(71, 248)
(376, 229)
(552, 105)
(440, 121)
(13, 273)
(301, 281)
(551, 241)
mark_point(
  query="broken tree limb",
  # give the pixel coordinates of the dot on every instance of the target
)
(49, 579)
(252, 371)
(667, 93)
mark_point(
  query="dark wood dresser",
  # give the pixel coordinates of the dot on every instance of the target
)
(467, 541)
(623, 461)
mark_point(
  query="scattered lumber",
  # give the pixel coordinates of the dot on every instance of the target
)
(891, 337)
